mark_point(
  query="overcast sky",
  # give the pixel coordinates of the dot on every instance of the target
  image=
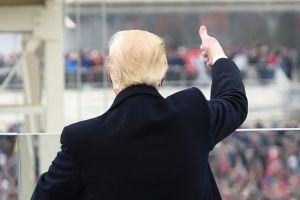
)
(10, 42)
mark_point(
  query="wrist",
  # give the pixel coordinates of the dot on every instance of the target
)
(217, 57)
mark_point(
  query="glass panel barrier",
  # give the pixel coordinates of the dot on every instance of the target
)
(249, 164)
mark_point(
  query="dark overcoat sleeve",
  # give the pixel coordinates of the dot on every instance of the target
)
(228, 105)
(61, 182)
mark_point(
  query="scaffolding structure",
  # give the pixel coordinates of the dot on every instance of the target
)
(41, 24)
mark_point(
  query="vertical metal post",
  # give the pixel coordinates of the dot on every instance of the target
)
(78, 69)
(104, 46)
(104, 24)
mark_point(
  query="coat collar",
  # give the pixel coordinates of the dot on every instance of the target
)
(132, 91)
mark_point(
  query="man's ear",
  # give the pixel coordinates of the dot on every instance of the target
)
(108, 76)
(107, 71)
(161, 82)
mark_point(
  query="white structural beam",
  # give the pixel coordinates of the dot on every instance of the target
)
(21, 2)
(51, 31)
(179, 1)
(18, 18)
(32, 90)
(154, 8)
(26, 178)
(191, 6)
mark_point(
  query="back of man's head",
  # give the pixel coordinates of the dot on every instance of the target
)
(136, 57)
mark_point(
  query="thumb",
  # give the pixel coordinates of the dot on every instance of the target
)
(203, 32)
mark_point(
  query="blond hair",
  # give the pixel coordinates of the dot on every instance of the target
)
(136, 57)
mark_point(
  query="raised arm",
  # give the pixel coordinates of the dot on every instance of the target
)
(228, 107)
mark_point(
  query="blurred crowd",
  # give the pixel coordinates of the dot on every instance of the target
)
(186, 66)
(259, 63)
(259, 165)
(265, 61)
(6, 64)
(9, 165)
(91, 65)
(9, 60)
